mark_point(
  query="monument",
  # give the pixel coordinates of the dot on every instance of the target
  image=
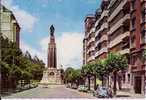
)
(52, 75)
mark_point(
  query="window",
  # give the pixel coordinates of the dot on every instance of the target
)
(99, 46)
(133, 4)
(128, 78)
(124, 78)
(143, 15)
(133, 23)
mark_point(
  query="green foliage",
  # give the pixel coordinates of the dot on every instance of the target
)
(116, 62)
(68, 75)
(89, 69)
(16, 64)
(101, 68)
(72, 75)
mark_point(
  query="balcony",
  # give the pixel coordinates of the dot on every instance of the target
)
(117, 10)
(90, 58)
(90, 49)
(104, 13)
(118, 39)
(112, 2)
(96, 23)
(91, 40)
(119, 23)
(91, 31)
(103, 38)
(125, 51)
(101, 51)
(103, 26)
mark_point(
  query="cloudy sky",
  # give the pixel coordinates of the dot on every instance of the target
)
(35, 17)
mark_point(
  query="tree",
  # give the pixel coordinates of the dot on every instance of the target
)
(116, 62)
(67, 74)
(89, 70)
(16, 66)
(101, 69)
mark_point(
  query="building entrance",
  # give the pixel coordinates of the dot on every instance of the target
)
(138, 84)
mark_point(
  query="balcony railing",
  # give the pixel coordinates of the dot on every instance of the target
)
(103, 26)
(91, 30)
(104, 37)
(104, 13)
(112, 2)
(101, 51)
(90, 58)
(125, 51)
(118, 39)
(119, 24)
(90, 49)
(117, 10)
(91, 40)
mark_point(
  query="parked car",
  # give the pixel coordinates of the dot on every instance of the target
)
(82, 88)
(102, 92)
(68, 85)
(74, 86)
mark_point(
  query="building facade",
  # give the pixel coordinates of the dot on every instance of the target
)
(89, 40)
(119, 34)
(138, 44)
(9, 27)
(101, 29)
(120, 27)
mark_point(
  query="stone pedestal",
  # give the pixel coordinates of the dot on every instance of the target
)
(52, 76)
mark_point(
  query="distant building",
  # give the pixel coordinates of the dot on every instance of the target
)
(9, 26)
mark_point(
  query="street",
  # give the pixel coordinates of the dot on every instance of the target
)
(59, 91)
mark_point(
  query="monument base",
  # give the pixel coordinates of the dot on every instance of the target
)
(51, 76)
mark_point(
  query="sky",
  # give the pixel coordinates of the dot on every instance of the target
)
(36, 16)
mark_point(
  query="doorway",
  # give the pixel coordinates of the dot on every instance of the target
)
(138, 84)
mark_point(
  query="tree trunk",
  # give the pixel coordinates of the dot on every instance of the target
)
(119, 83)
(108, 81)
(115, 80)
(102, 79)
(88, 82)
(94, 82)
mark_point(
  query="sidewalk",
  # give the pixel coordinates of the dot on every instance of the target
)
(127, 94)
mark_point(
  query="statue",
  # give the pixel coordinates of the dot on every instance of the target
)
(52, 29)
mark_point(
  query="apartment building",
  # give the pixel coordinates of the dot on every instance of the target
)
(9, 27)
(119, 33)
(138, 44)
(119, 26)
(89, 39)
(101, 29)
